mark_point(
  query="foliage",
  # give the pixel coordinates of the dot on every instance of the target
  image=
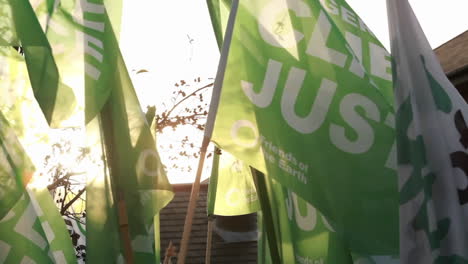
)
(65, 165)
(186, 114)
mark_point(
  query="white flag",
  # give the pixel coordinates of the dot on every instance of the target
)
(432, 143)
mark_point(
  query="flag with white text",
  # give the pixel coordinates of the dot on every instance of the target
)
(34, 232)
(231, 189)
(307, 97)
(130, 186)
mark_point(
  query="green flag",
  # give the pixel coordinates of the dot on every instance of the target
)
(306, 96)
(432, 148)
(33, 229)
(219, 14)
(231, 190)
(133, 187)
(15, 168)
(34, 232)
(77, 32)
(302, 233)
(20, 28)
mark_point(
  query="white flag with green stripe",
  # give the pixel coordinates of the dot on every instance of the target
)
(432, 148)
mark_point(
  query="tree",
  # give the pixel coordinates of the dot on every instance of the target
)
(188, 108)
(66, 163)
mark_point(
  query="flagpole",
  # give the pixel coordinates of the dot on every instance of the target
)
(208, 132)
(262, 191)
(124, 231)
(209, 235)
(107, 124)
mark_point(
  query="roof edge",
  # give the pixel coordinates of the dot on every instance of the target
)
(449, 41)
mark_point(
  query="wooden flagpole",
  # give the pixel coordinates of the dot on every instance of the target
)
(209, 235)
(192, 205)
(109, 140)
(208, 132)
(124, 230)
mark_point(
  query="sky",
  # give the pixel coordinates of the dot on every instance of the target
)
(173, 40)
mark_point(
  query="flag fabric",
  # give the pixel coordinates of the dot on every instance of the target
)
(76, 32)
(77, 229)
(20, 107)
(136, 174)
(21, 29)
(32, 230)
(15, 168)
(432, 148)
(130, 187)
(231, 190)
(307, 98)
(303, 234)
(219, 14)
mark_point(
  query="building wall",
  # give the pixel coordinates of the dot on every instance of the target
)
(172, 219)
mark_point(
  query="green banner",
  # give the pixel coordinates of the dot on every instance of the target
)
(33, 229)
(134, 184)
(34, 232)
(307, 97)
(15, 168)
(219, 13)
(20, 28)
(432, 139)
(131, 186)
(231, 190)
(304, 235)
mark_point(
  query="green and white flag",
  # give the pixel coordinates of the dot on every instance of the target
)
(76, 32)
(219, 14)
(307, 97)
(34, 232)
(77, 229)
(132, 176)
(432, 148)
(33, 229)
(20, 28)
(15, 168)
(304, 235)
(135, 179)
(231, 189)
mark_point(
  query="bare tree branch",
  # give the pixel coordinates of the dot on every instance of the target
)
(77, 196)
(63, 179)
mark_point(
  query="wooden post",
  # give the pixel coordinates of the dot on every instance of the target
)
(209, 235)
(208, 131)
(124, 231)
(109, 141)
(192, 204)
